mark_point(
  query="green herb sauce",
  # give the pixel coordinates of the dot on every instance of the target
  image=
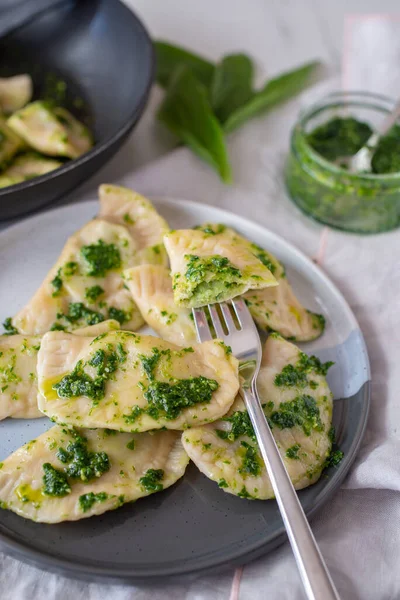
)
(79, 383)
(241, 425)
(55, 482)
(250, 461)
(293, 452)
(86, 501)
(9, 327)
(297, 375)
(302, 411)
(100, 258)
(151, 480)
(82, 463)
(92, 293)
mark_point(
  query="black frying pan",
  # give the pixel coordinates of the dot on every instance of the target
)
(101, 50)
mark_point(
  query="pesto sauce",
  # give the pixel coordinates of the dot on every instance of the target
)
(302, 411)
(55, 482)
(79, 383)
(199, 268)
(167, 400)
(92, 293)
(241, 425)
(222, 483)
(151, 480)
(346, 136)
(334, 458)
(9, 327)
(250, 461)
(211, 228)
(245, 494)
(122, 316)
(170, 399)
(100, 258)
(264, 257)
(293, 452)
(297, 375)
(77, 311)
(57, 284)
(82, 463)
(86, 501)
(339, 137)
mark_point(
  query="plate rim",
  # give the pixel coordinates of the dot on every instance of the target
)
(27, 553)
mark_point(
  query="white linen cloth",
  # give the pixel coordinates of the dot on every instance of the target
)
(359, 529)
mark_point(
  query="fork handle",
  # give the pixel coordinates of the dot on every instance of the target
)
(313, 570)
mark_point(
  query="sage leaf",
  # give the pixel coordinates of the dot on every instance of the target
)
(169, 57)
(187, 112)
(274, 92)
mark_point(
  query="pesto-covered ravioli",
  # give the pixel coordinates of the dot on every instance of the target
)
(298, 404)
(10, 143)
(29, 165)
(274, 308)
(151, 289)
(130, 382)
(212, 268)
(18, 379)
(71, 474)
(18, 376)
(51, 131)
(15, 92)
(125, 207)
(85, 286)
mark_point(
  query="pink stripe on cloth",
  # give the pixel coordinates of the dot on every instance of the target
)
(323, 240)
(236, 584)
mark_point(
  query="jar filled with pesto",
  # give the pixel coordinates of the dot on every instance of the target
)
(320, 183)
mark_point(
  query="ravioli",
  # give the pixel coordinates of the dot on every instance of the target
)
(67, 475)
(151, 289)
(85, 286)
(125, 207)
(10, 143)
(18, 377)
(15, 92)
(132, 382)
(275, 308)
(51, 131)
(27, 166)
(212, 268)
(298, 404)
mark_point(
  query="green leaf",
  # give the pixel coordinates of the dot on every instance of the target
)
(275, 91)
(186, 111)
(231, 86)
(170, 57)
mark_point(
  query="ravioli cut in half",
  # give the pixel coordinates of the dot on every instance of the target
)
(18, 376)
(51, 131)
(85, 286)
(151, 289)
(125, 207)
(71, 474)
(15, 92)
(298, 404)
(212, 268)
(132, 382)
(274, 308)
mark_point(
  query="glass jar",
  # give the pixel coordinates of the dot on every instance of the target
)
(357, 202)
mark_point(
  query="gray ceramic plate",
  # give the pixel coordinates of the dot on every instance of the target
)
(194, 525)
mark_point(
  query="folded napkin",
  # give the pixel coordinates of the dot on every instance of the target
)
(359, 529)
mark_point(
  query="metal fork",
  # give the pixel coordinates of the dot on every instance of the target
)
(246, 346)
